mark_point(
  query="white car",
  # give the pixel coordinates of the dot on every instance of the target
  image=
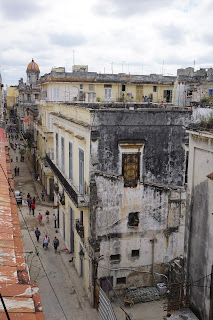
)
(18, 196)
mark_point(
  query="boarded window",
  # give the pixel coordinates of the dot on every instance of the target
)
(106, 283)
(130, 169)
(121, 280)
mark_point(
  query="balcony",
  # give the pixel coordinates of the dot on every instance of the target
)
(80, 229)
(80, 200)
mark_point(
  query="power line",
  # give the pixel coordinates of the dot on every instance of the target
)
(36, 251)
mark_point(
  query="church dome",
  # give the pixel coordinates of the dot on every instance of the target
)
(32, 66)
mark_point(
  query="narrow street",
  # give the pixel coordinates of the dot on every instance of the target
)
(71, 301)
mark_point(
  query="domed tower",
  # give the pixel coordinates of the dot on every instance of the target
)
(32, 73)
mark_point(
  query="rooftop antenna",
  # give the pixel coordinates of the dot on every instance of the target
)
(73, 57)
(123, 65)
(111, 66)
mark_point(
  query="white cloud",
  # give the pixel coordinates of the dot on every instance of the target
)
(137, 36)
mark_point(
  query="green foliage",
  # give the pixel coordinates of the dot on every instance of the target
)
(206, 123)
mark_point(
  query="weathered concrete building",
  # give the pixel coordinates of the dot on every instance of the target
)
(137, 194)
(192, 86)
(119, 174)
(81, 85)
(199, 222)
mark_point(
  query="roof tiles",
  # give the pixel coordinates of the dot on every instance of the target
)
(22, 299)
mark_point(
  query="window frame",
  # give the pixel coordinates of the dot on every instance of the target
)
(70, 172)
(81, 191)
(131, 147)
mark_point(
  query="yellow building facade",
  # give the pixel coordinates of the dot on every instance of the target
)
(64, 136)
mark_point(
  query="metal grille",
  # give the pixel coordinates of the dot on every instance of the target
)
(105, 309)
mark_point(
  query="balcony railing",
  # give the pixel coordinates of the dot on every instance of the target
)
(79, 199)
(80, 229)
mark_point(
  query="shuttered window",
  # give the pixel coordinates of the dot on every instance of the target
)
(62, 155)
(70, 162)
(131, 169)
(81, 171)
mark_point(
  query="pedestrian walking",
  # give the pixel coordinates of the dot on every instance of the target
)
(30, 207)
(37, 233)
(33, 208)
(40, 218)
(47, 216)
(55, 219)
(46, 242)
(55, 244)
(42, 196)
(17, 171)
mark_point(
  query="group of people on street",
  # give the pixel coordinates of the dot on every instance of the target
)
(40, 217)
(31, 203)
(46, 240)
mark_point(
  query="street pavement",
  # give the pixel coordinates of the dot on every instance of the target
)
(71, 301)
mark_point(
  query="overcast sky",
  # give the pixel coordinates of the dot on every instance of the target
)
(137, 36)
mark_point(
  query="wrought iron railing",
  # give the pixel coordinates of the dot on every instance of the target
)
(77, 198)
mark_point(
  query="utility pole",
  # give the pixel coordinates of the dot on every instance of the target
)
(73, 57)
(122, 65)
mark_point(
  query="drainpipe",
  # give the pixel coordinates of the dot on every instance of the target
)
(153, 260)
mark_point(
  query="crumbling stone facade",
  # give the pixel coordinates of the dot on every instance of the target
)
(137, 226)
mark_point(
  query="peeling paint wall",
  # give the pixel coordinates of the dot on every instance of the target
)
(158, 199)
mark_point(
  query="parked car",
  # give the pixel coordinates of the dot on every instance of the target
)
(18, 196)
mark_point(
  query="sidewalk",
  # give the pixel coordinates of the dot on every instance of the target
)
(64, 278)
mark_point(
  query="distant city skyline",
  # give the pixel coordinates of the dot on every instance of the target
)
(137, 37)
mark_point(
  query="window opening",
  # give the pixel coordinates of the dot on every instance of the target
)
(115, 257)
(56, 147)
(135, 253)
(133, 219)
(81, 217)
(121, 280)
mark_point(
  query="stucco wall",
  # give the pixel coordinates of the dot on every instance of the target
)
(160, 207)
(199, 222)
